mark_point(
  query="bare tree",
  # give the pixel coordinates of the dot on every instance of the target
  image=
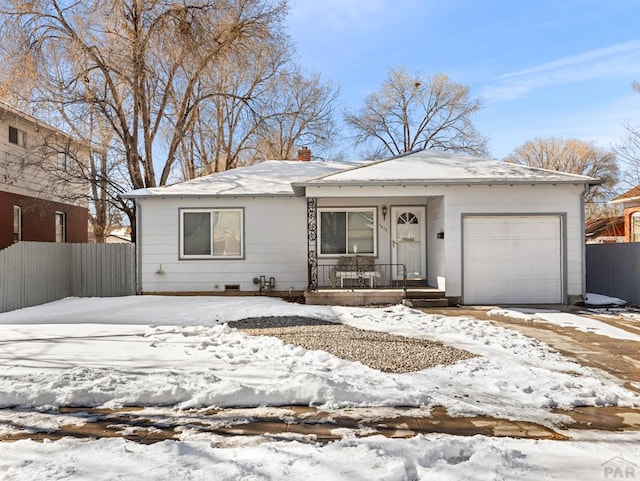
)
(225, 125)
(413, 111)
(628, 152)
(273, 109)
(139, 63)
(298, 112)
(572, 156)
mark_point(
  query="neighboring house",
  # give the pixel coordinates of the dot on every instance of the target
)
(117, 234)
(40, 199)
(606, 230)
(481, 231)
(630, 201)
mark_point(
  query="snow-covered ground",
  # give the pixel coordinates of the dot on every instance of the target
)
(437, 457)
(178, 351)
(578, 322)
(592, 299)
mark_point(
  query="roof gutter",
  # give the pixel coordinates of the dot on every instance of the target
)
(626, 199)
(37, 123)
(132, 195)
(381, 183)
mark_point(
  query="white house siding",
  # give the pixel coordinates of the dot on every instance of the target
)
(384, 223)
(448, 204)
(275, 234)
(521, 199)
(435, 247)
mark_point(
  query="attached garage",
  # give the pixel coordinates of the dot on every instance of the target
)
(512, 259)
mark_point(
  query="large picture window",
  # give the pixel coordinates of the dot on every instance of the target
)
(211, 234)
(347, 231)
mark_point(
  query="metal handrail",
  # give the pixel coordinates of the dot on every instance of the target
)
(366, 276)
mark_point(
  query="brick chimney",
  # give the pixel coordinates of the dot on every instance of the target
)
(304, 154)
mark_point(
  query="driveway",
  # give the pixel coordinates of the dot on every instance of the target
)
(618, 357)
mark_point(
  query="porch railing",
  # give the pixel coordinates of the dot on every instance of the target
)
(372, 276)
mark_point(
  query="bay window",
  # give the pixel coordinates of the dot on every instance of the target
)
(211, 233)
(347, 231)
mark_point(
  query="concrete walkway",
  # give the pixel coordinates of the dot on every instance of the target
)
(303, 423)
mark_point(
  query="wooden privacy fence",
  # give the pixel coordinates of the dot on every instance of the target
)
(33, 273)
(614, 270)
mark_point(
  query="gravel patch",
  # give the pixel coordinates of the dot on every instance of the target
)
(378, 350)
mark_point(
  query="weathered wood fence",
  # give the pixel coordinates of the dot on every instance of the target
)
(614, 270)
(33, 273)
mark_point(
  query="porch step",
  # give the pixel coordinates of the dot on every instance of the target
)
(426, 297)
(424, 293)
(428, 302)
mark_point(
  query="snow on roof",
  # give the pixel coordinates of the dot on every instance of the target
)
(286, 177)
(436, 167)
(273, 177)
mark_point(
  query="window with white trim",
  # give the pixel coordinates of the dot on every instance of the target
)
(17, 223)
(17, 136)
(212, 233)
(347, 231)
(635, 227)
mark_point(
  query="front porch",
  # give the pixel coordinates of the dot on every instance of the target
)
(358, 281)
(376, 252)
(416, 296)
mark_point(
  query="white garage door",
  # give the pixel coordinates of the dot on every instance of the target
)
(511, 260)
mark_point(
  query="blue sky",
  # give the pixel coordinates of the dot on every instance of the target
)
(542, 67)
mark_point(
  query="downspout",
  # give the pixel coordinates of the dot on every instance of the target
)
(138, 248)
(586, 190)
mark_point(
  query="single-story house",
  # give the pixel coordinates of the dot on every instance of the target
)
(630, 201)
(480, 231)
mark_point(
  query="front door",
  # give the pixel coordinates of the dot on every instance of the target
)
(408, 240)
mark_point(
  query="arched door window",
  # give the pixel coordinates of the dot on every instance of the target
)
(407, 218)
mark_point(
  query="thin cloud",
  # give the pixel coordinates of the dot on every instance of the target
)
(338, 14)
(617, 60)
(344, 16)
